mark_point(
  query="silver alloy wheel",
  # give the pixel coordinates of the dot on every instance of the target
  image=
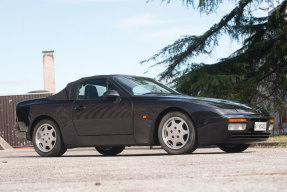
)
(175, 133)
(45, 137)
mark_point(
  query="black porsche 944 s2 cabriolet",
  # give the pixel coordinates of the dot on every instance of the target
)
(113, 111)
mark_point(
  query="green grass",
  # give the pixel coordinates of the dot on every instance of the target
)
(275, 141)
(278, 139)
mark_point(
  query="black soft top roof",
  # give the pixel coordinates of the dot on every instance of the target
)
(70, 90)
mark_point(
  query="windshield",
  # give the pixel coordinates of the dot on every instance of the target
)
(143, 85)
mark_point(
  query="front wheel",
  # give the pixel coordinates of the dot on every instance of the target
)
(233, 148)
(177, 134)
(110, 151)
(47, 139)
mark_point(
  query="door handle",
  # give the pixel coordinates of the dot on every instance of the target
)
(80, 108)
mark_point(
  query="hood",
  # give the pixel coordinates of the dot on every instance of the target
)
(229, 107)
(223, 106)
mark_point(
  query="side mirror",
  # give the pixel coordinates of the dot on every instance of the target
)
(111, 94)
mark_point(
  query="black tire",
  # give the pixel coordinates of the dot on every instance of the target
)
(174, 137)
(110, 151)
(46, 131)
(233, 148)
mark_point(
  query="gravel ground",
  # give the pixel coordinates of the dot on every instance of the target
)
(141, 169)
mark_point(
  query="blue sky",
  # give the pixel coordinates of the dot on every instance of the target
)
(92, 37)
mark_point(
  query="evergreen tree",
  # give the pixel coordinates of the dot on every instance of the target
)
(256, 73)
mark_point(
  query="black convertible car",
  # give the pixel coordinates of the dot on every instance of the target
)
(113, 111)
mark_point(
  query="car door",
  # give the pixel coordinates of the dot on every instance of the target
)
(93, 114)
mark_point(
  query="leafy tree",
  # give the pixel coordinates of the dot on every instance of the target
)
(256, 73)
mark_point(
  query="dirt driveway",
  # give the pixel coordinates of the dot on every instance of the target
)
(141, 169)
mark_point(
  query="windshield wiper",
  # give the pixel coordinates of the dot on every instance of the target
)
(150, 93)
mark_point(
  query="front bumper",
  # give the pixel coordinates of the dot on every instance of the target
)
(250, 135)
(21, 129)
(217, 132)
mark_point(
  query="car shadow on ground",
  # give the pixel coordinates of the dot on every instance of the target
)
(128, 155)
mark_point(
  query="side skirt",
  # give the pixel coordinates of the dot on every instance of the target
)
(110, 140)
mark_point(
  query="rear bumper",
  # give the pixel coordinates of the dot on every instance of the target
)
(21, 129)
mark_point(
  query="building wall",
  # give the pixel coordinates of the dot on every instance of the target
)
(7, 117)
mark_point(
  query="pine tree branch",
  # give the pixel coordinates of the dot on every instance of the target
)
(184, 49)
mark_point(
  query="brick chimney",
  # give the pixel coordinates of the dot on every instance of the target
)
(49, 70)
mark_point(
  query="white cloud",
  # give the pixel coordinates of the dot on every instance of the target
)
(141, 21)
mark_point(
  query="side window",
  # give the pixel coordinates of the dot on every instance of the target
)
(92, 89)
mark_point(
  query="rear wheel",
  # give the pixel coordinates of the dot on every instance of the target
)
(110, 151)
(47, 139)
(233, 148)
(177, 134)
